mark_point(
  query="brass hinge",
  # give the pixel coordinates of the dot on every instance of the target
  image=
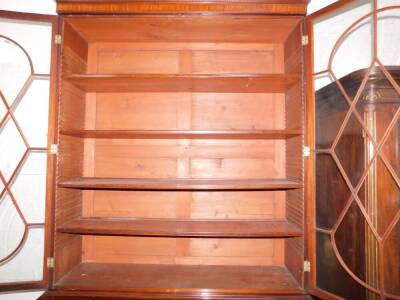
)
(304, 40)
(57, 39)
(306, 151)
(50, 262)
(53, 149)
(307, 266)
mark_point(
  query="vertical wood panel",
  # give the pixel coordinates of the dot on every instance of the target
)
(294, 248)
(68, 204)
(186, 158)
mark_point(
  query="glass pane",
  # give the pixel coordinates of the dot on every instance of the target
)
(330, 109)
(332, 192)
(29, 260)
(391, 148)
(39, 34)
(358, 246)
(355, 51)
(25, 59)
(327, 30)
(3, 108)
(32, 113)
(12, 148)
(392, 262)
(40, 7)
(384, 3)
(353, 150)
(389, 36)
(380, 196)
(378, 104)
(11, 227)
(332, 277)
(29, 187)
(14, 68)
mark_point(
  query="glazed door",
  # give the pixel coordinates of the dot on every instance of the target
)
(354, 93)
(27, 129)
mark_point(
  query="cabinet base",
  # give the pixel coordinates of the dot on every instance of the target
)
(86, 295)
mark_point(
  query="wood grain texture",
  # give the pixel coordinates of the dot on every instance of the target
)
(179, 152)
(185, 134)
(198, 251)
(180, 6)
(181, 228)
(185, 28)
(75, 42)
(294, 116)
(89, 295)
(189, 111)
(153, 278)
(178, 184)
(68, 204)
(222, 83)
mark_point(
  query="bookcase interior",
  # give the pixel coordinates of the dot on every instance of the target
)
(180, 154)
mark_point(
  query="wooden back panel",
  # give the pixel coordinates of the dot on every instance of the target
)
(68, 206)
(245, 49)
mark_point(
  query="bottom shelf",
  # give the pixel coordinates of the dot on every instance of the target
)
(180, 279)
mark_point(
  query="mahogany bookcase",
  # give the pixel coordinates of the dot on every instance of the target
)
(196, 159)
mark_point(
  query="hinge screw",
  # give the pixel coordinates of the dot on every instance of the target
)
(307, 266)
(50, 262)
(57, 39)
(304, 40)
(54, 149)
(306, 151)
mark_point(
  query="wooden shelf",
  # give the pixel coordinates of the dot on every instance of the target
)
(184, 134)
(180, 279)
(197, 83)
(178, 184)
(182, 228)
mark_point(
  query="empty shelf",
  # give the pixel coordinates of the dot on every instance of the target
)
(182, 228)
(178, 184)
(201, 83)
(184, 134)
(180, 279)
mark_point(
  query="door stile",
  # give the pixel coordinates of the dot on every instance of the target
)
(52, 138)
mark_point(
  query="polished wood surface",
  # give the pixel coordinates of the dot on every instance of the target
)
(184, 134)
(181, 228)
(89, 295)
(252, 83)
(233, 279)
(20, 18)
(179, 6)
(178, 184)
(181, 127)
(167, 28)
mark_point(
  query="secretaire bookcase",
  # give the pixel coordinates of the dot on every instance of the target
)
(201, 150)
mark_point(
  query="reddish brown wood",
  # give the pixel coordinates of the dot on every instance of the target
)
(177, 6)
(179, 28)
(181, 228)
(251, 83)
(53, 102)
(89, 295)
(178, 184)
(184, 279)
(180, 98)
(353, 212)
(184, 134)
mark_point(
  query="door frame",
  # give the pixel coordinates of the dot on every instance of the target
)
(51, 158)
(310, 188)
(310, 140)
